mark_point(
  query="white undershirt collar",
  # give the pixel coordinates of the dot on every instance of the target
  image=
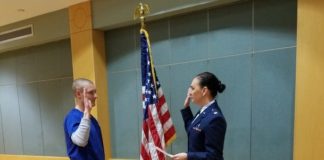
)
(206, 106)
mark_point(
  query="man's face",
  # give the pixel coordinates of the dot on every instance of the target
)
(90, 92)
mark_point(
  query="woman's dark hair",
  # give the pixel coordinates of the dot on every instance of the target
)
(211, 82)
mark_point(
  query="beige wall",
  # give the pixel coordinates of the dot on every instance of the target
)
(114, 14)
(44, 32)
(309, 107)
(105, 14)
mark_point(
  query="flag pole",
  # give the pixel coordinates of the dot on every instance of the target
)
(140, 12)
(153, 137)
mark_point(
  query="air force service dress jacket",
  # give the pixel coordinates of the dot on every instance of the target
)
(206, 133)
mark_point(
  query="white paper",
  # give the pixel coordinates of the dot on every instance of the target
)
(164, 152)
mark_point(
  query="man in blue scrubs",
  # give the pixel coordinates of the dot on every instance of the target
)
(82, 131)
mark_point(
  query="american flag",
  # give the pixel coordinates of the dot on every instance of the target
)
(158, 129)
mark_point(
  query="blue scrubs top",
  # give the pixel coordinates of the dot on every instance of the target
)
(94, 150)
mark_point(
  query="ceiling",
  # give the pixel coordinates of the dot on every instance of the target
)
(16, 10)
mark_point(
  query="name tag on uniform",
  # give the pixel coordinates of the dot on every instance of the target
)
(197, 128)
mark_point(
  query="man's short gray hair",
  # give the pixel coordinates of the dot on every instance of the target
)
(80, 83)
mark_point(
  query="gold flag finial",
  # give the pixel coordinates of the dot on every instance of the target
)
(140, 12)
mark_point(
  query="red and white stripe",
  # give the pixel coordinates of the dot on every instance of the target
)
(158, 130)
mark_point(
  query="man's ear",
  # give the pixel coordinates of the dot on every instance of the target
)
(78, 93)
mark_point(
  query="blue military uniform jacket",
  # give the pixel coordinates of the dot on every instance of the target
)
(206, 134)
